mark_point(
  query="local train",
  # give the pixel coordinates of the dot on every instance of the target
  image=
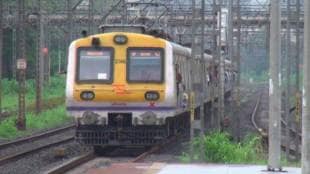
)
(135, 89)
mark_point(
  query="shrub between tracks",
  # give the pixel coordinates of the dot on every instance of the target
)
(218, 148)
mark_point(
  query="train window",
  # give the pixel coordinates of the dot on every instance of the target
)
(145, 65)
(94, 65)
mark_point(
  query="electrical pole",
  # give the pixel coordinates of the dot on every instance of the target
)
(39, 61)
(202, 47)
(274, 153)
(14, 50)
(230, 36)
(21, 66)
(298, 93)
(90, 16)
(221, 68)
(59, 55)
(238, 70)
(193, 55)
(124, 12)
(230, 49)
(69, 28)
(306, 94)
(213, 70)
(288, 73)
(1, 41)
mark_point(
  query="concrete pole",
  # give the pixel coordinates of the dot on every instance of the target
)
(230, 49)
(306, 94)
(274, 154)
(221, 68)
(213, 77)
(288, 80)
(193, 54)
(238, 80)
(298, 93)
(1, 41)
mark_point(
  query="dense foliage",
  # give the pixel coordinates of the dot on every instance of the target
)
(218, 148)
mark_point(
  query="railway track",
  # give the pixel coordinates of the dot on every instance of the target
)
(15, 150)
(264, 133)
(14, 157)
(36, 137)
(91, 156)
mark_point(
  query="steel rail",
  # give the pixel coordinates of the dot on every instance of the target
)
(14, 157)
(72, 164)
(90, 156)
(36, 137)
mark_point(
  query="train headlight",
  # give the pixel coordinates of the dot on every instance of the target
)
(89, 118)
(151, 96)
(87, 95)
(120, 39)
(149, 118)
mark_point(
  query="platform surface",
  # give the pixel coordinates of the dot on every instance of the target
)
(163, 168)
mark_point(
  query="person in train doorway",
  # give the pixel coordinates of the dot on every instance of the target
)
(178, 78)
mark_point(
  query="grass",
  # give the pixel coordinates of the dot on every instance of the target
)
(48, 119)
(218, 148)
(56, 88)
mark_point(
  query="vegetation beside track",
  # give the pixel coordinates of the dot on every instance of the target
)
(55, 89)
(48, 119)
(218, 148)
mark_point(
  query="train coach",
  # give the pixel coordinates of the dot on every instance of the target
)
(134, 89)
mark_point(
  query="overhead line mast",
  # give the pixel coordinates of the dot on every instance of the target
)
(274, 153)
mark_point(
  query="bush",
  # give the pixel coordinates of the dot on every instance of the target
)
(218, 148)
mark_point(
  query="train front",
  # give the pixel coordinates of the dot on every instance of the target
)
(120, 89)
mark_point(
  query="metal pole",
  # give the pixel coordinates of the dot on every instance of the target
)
(124, 12)
(14, 50)
(202, 47)
(39, 62)
(21, 120)
(288, 73)
(306, 94)
(90, 16)
(274, 154)
(59, 56)
(69, 28)
(1, 41)
(230, 36)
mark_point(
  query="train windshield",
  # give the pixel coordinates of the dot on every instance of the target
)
(145, 65)
(95, 65)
